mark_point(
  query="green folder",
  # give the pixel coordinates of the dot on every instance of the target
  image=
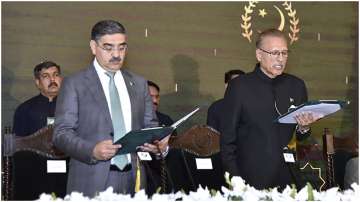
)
(136, 138)
(321, 108)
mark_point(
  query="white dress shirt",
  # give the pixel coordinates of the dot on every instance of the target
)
(122, 91)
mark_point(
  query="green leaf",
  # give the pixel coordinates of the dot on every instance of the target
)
(235, 198)
(53, 196)
(293, 191)
(227, 180)
(158, 190)
(213, 192)
(310, 192)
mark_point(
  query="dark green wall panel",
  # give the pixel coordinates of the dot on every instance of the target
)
(179, 49)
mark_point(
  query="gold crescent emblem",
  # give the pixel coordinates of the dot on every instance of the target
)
(294, 29)
(282, 19)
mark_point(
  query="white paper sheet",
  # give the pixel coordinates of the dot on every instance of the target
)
(318, 110)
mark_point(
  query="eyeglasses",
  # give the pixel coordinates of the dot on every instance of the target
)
(110, 48)
(276, 53)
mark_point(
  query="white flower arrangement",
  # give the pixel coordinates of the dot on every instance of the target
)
(238, 190)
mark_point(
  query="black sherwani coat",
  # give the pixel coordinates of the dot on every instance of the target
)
(252, 142)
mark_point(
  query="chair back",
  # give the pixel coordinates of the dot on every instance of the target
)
(337, 151)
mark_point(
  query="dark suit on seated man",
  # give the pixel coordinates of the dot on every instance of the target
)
(215, 110)
(96, 107)
(173, 166)
(351, 174)
(214, 116)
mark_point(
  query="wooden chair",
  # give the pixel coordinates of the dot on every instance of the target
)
(40, 143)
(337, 151)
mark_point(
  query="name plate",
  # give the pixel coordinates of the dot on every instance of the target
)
(203, 164)
(56, 166)
(289, 158)
(50, 120)
(144, 156)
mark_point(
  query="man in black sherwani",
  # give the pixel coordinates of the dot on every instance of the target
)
(252, 142)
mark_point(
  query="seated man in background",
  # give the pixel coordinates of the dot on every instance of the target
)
(31, 177)
(215, 109)
(351, 172)
(175, 176)
(38, 111)
(154, 90)
(201, 176)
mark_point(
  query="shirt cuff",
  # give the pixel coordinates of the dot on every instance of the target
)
(93, 160)
(302, 131)
(302, 135)
(163, 154)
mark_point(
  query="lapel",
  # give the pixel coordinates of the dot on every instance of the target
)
(131, 88)
(92, 81)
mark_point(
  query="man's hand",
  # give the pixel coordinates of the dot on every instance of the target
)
(304, 119)
(157, 147)
(105, 150)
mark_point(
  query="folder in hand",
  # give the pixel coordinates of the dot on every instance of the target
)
(319, 108)
(135, 138)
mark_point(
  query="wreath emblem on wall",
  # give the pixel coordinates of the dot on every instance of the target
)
(294, 28)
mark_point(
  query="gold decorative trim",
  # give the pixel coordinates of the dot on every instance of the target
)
(293, 22)
(247, 20)
(246, 25)
(319, 170)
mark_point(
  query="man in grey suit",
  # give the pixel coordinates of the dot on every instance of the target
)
(87, 122)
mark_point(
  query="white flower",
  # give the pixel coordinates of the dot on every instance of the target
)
(349, 195)
(302, 195)
(109, 195)
(165, 197)
(45, 197)
(241, 191)
(76, 196)
(332, 194)
(285, 195)
(200, 195)
(238, 183)
(141, 196)
(226, 192)
(227, 175)
(251, 194)
(218, 197)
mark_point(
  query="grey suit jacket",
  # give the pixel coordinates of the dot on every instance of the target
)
(83, 119)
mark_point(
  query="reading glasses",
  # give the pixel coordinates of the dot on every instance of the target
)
(111, 48)
(276, 53)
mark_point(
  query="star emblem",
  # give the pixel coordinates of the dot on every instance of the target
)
(262, 12)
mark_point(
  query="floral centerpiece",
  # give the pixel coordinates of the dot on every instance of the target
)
(238, 191)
